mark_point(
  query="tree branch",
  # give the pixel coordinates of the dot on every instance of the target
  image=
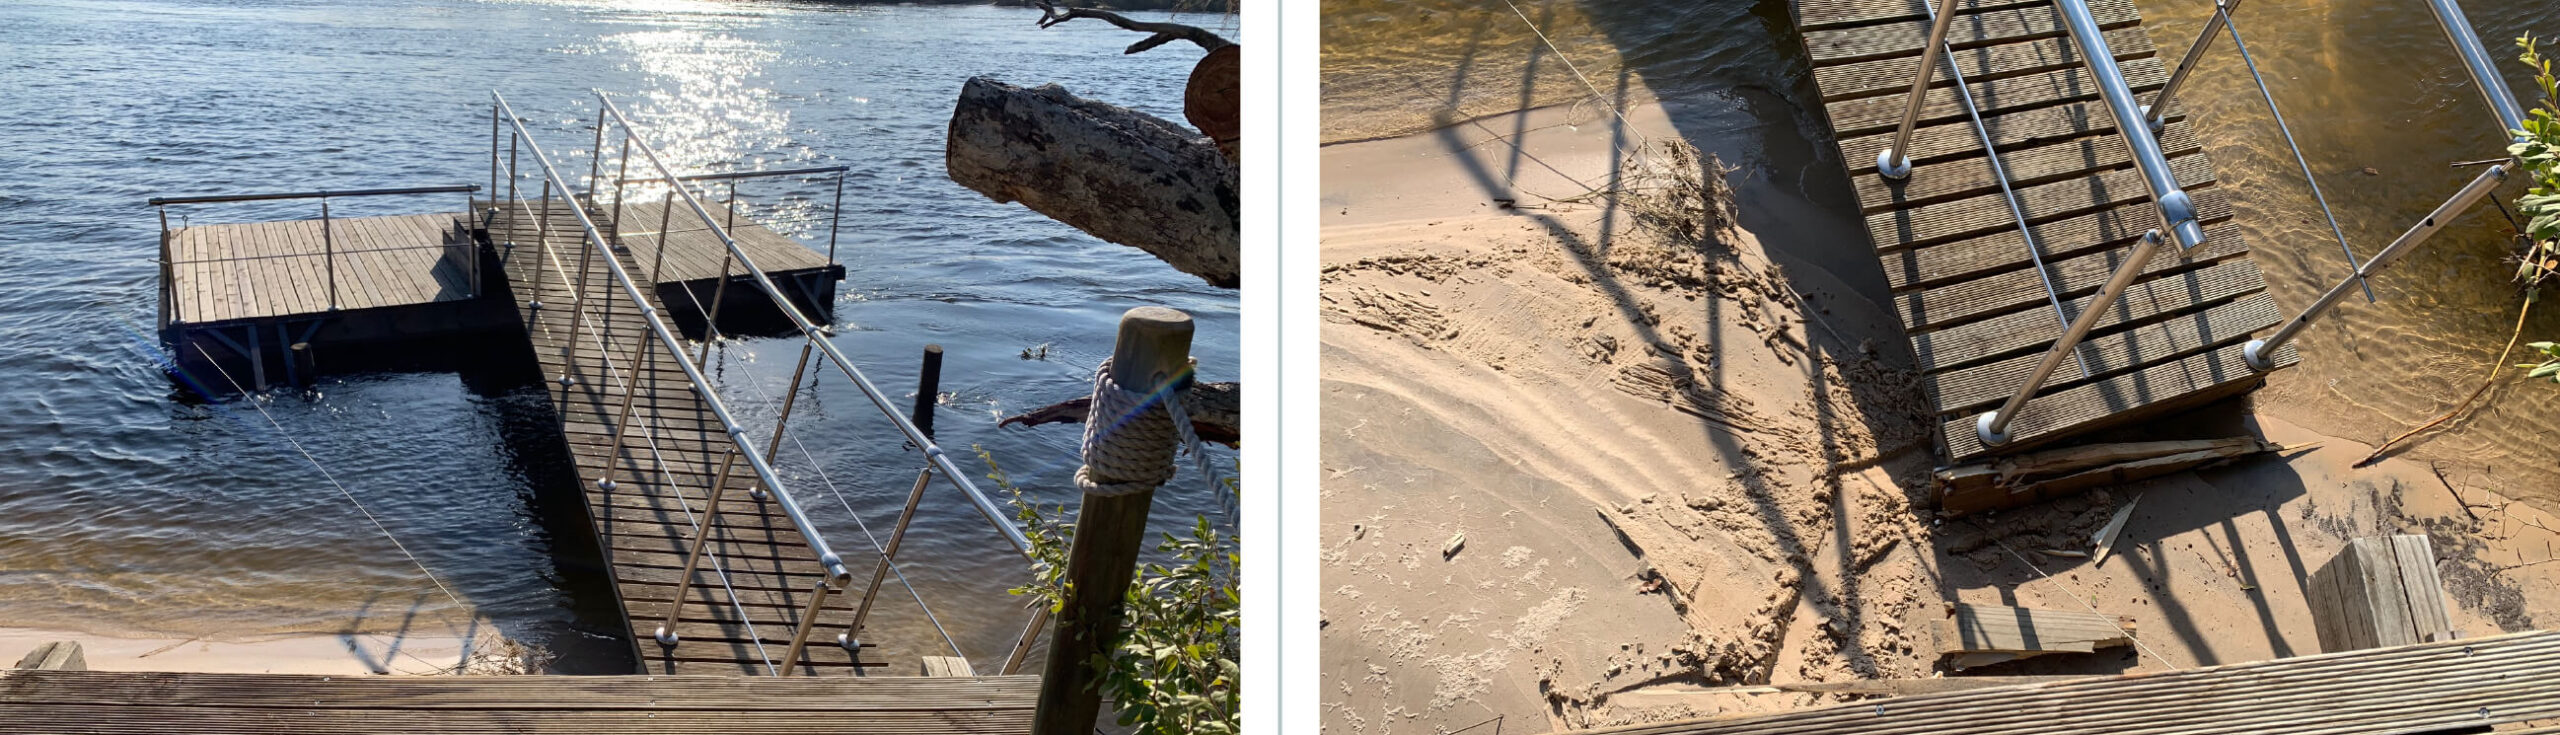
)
(1164, 32)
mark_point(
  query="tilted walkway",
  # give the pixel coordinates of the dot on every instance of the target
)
(1977, 311)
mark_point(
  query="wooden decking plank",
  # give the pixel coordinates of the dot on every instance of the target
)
(1980, 387)
(1892, 76)
(2006, 94)
(2049, 161)
(1982, 215)
(532, 692)
(2009, 131)
(2161, 386)
(2029, 330)
(1950, 262)
(2025, 288)
(1905, 37)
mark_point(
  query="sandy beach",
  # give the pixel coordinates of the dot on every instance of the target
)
(1581, 471)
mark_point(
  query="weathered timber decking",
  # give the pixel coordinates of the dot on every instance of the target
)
(114, 702)
(2456, 686)
(1977, 312)
(695, 254)
(258, 270)
(661, 466)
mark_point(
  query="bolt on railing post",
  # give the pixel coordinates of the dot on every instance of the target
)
(2158, 110)
(1993, 427)
(851, 638)
(2260, 353)
(1895, 161)
(1152, 358)
(666, 634)
(329, 252)
(578, 313)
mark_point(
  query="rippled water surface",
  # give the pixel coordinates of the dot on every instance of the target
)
(2364, 84)
(124, 509)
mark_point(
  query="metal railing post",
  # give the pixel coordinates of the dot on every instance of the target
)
(1030, 634)
(618, 178)
(666, 633)
(851, 638)
(2260, 353)
(169, 308)
(2154, 113)
(720, 292)
(595, 158)
(789, 397)
(578, 314)
(808, 621)
(1894, 162)
(542, 243)
(493, 149)
(1993, 427)
(835, 218)
(512, 173)
(640, 358)
(329, 252)
(2177, 211)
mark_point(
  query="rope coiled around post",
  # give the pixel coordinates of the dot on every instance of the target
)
(1129, 436)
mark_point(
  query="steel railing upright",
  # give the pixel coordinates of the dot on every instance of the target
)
(595, 246)
(2261, 353)
(815, 342)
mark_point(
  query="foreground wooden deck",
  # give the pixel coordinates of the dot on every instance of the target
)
(661, 468)
(110, 702)
(2452, 687)
(1976, 310)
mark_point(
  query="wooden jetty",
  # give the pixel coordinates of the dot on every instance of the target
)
(236, 298)
(2468, 686)
(663, 465)
(1977, 311)
(121, 702)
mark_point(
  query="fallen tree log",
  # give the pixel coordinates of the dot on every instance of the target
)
(1116, 173)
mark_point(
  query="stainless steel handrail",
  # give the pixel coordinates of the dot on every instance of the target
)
(933, 452)
(324, 194)
(1894, 162)
(2177, 211)
(740, 445)
(2260, 353)
(939, 462)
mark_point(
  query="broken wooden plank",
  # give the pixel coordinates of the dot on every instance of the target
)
(2380, 591)
(2028, 631)
(55, 656)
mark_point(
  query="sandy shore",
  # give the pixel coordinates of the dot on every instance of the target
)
(1581, 473)
(349, 654)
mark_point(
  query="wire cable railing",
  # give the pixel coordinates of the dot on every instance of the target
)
(2140, 126)
(815, 344)
(658, 334)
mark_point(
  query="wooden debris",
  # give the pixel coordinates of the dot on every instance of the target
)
(2106, 538)
(1976, 635)
(2010, 482)
(1457, 542)
(948, 666)
(55, 655)
(1906, 687)
(2380, 591)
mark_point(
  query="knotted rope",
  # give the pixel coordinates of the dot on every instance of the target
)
(1130, 436)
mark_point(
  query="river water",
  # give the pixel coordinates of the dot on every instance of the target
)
(2364, 84)
(124, 510)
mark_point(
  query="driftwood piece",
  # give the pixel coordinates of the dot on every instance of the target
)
(1215, 408)
(1981, 634)
(2014, 481)
(1116, 173)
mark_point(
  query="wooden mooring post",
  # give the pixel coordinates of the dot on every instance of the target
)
(1129, 445)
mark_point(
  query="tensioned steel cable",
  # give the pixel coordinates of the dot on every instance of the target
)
(608, 347)
(712, 331)
(2354, 267)
(1999, 172)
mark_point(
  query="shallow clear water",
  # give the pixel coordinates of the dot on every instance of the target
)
(125, 509)
(2364, 83)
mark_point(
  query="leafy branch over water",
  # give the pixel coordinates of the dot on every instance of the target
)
(2539, 149)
